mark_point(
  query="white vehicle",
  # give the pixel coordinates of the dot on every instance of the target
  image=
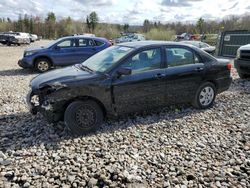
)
(25, 37)
(33, 37)
(17, 38)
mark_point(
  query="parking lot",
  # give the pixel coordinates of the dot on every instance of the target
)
(178, 145)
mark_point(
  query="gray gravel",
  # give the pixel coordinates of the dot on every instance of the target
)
(175, 147)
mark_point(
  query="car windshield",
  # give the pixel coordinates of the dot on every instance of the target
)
(52, 43)
(105, 59)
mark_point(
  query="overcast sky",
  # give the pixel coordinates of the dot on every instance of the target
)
(128, 11)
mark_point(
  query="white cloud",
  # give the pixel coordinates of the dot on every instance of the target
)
(132, 12)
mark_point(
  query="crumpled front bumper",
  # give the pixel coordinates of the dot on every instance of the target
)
(31, 106)
(52, 112)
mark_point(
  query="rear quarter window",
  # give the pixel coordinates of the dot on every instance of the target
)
(206, 57)
(99, 43)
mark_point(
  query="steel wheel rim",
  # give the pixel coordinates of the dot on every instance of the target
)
(206, 96)
(85, 117)
(43, 66)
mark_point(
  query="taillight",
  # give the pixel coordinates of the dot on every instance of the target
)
(229, 66)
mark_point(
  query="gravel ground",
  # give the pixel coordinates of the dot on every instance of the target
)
(175, 147)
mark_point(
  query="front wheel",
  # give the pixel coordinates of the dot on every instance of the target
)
(42, 65)
(82, 117)
(205, 96)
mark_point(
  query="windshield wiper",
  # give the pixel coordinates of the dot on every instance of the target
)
(85, 68)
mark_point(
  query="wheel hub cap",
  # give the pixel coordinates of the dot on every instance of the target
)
(206, 96)
(43, 66)
(85, 117)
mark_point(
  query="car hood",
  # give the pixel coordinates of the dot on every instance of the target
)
(59, 76)
(245, 47)
(35, 49)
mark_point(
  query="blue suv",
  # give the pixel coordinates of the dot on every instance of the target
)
(62, 52)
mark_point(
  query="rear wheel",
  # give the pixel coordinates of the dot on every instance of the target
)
(82, 117)
(205, 96)
(42, 65)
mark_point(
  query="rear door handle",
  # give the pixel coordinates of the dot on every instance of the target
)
(199, 69)
(159, 75)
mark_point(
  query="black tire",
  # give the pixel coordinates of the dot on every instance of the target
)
(202, 102)
(42, 65)
(78, 112)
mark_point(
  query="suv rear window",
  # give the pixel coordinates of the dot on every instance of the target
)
(98, 43)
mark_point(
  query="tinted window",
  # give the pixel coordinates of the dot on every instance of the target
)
(180, 56)
(82, 42)
(98, 43)
(66, 43)
(85, 42)
(91, 43)
(144, 61)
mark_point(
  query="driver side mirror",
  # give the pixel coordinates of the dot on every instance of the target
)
(57, 48)
(124, 71)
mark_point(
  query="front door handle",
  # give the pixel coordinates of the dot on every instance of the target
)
(199, 69)
(160, 75)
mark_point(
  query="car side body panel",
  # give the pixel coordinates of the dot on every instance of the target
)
(119, 95)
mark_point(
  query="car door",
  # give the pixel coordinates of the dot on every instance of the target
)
(85, 49)
(184, 73)
(63, 53)
(145, 87)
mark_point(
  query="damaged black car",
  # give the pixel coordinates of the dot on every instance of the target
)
(128, 78)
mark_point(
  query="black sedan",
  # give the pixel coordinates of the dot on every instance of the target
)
(127, 78)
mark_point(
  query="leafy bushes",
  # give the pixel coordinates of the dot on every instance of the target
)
(160, 34)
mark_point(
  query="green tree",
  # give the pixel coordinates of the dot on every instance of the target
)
(125, 27)
(69, 26)
(31, 25)
(50, 22)
(88, 24)
(93, 19)
(200, 25)
(146, 26)
(20, 23)
(26, 23)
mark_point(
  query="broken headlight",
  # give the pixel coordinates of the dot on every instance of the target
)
(35, 100)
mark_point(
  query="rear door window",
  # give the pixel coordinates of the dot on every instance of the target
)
(83, 42)
(178, 56)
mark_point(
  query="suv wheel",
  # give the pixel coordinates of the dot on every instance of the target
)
(82, 117)
(205, 96)
(42, 65)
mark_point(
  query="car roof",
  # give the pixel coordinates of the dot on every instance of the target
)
(148, 43)
(81, 36)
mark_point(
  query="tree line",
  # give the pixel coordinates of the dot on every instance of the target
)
(51, 27)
